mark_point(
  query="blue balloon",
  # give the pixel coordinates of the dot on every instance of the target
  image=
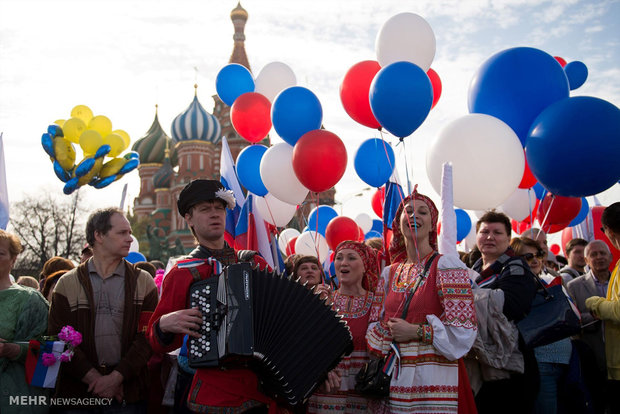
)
(63, 175)
(296, 111)
(463, 224)
(319, 218)
(583, 213)
(102, 151)
(539, 191)
(130, 165)
(372, 234)
(516, 85)
(401, 96)
(374, 162)
(135, 257)
(584, 132)
(71, 186)
(248, 169)
(55, 131)
(377, 225)
(47, 141)
(232, 81)
(577, 73)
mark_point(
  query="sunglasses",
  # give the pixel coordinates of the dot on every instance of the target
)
(530, 256)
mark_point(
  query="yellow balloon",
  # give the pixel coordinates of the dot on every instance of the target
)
(65, 153)
(125, 136)
(116, 143)
(83, 112)
(90, 141)
(73, 128)
(101, 124)
(59, 122)
(85, 179)
(112, 167)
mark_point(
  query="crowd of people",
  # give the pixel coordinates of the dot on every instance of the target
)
(448, 324)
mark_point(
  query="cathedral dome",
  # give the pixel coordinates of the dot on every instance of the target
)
(151, 147)
(195, 123)
(239, 13)
(163, 177)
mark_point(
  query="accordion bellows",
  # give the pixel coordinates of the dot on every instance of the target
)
(283, 331)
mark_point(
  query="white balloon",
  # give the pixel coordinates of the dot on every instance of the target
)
(276, 171)
(273, 79)
(135, 245)
(408, 37)
(520, 204)
(311, 243)
(285, 237)
(364, 221)
(274, 211)
(487, 160)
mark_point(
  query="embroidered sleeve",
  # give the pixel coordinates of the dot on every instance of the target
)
(455, 294)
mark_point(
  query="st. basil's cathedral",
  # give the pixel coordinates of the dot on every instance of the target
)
(167, 164)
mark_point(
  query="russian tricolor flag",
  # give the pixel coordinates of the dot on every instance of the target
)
(228, 178)
(37, 374)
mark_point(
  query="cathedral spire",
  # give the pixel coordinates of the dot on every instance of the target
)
(239, 17)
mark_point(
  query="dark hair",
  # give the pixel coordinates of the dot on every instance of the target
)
(158, 264)
(55, 264)
(561, 259)
(574, 243)
(472, 257)
(493, 216)
(375, 242)
(289, 263)
(50, 282)
(15, 245)
(148, 267)
(99, 221)
(611, 217)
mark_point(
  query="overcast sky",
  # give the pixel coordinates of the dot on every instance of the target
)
(122, 57)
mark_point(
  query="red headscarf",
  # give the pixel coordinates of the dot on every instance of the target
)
(398, 251)
(369, 259)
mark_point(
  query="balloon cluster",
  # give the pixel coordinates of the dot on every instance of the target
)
(397, 91)
(309, 158)
(97, 140)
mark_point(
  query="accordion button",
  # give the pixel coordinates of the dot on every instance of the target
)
(208, 348)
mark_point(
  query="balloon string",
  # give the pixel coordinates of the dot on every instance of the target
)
(546, 215)
(402, 197)
(529, 204)
(316, 230)
(406, 167)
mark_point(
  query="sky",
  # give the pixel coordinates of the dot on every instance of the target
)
(121, 58)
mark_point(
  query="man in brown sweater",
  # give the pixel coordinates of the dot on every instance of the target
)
(109, 301)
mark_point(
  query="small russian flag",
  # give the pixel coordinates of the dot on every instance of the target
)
(37, 374)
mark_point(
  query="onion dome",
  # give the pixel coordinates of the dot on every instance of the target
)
(195, 123)
(238, 13)
(152, 146)
(163, 177)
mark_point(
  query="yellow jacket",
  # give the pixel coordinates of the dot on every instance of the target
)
(608, 310)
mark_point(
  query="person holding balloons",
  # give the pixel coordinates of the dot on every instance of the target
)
(357, 270)
(440, 324)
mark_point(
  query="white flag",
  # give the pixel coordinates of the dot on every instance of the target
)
(4, 193)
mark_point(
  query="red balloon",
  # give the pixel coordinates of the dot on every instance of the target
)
(597, 212)
(436, 82)
(561, 209)
(339, 229)
(555, 249)
(554, 228)
(250, 115)
(290, 246)
(520, 226)
(360, 234)
(560, 60)
(319, 160)
(528, 180)
(567, 235)
(354, 91)
(377, 201)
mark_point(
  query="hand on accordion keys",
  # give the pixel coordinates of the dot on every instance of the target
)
(184, 321)
(324, 292)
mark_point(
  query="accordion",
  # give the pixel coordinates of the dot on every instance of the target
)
(275, 326)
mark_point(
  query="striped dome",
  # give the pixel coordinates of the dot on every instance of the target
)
(196, 124)
(152, 146)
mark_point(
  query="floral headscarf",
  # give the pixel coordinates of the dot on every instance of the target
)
(369, 259)
(398, 250)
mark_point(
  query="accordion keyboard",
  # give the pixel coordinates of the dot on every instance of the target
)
(204, 349)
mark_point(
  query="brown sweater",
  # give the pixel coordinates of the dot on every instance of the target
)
(72, 304)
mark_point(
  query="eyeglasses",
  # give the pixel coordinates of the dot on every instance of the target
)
(530, 256)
